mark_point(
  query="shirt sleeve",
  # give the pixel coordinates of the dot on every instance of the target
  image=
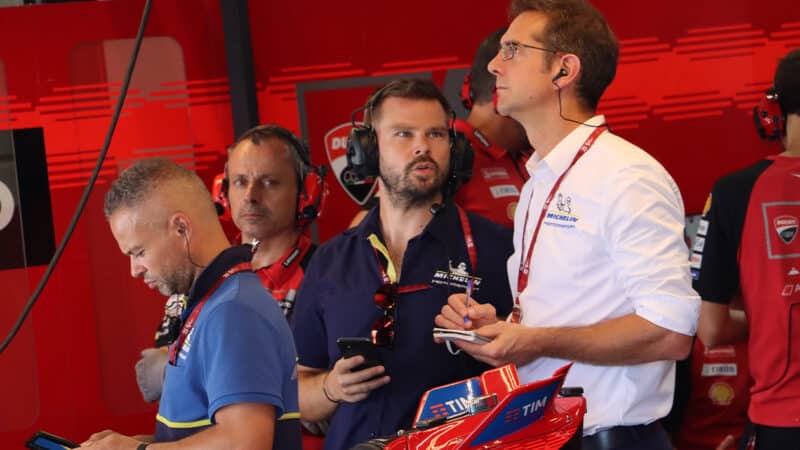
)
(308, 325)
(644, 232)
(714, 258)
(245, 358)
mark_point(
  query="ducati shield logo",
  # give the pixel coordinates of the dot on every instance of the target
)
(358, 188)
(786, 227)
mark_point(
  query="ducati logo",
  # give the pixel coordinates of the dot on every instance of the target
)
(358, 188)
(786, 227)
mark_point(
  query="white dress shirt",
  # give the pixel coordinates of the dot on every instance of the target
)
(612, 246)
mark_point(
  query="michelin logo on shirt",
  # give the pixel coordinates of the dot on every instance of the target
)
(562, 217)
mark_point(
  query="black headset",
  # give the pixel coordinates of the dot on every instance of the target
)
(362, 150)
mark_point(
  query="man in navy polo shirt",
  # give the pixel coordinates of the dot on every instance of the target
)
(387, 278)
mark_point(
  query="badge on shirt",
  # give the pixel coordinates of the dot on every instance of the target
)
(786, 227)
(494, 173)
(715, 370)
(504, 190)
(455, 277)
(563, 216)
(721, 393)
(782, 223)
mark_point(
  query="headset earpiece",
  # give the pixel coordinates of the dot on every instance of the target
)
(768, 117)
(467, 94)
(362, 151)
(313, 195)
(219, 193)
(561, 73)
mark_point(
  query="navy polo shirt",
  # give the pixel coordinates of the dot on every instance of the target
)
(336, 300)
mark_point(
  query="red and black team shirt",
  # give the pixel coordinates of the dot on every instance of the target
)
(497, 179)
(747, 242)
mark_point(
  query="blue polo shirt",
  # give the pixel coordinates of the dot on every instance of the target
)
(336, 300)
(240, 350)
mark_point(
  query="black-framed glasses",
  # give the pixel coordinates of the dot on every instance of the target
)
(509, 49)
(383, 329)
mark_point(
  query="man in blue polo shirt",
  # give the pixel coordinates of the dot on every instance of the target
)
(231, 377)
(387, 278)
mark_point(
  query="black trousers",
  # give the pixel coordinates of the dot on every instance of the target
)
(636, 437)
(770, 438)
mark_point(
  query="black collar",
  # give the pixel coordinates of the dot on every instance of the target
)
(218, 266)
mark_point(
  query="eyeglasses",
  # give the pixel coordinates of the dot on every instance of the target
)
(383, 328)
(509, 49)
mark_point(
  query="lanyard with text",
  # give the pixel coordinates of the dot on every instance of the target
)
(525, 263)
(187, 327)
(389, 274)
(273, 276)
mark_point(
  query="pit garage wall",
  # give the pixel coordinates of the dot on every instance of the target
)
(689, 74)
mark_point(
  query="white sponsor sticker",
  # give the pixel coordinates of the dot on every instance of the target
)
(695, 261)
(504, 190)
(699, 244)
(713, 370)
(491, 173)
(702, 229)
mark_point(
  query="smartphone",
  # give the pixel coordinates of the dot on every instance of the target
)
(43, 440)
(352, 346)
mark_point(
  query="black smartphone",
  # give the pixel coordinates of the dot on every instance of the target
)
(352, 346)
(43, 440)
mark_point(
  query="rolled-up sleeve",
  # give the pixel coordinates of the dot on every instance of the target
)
(645, 233)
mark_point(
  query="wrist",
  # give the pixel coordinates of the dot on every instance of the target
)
(325, 390)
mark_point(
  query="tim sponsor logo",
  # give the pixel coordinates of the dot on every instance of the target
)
(515, 414)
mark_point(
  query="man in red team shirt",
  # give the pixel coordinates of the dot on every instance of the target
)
(750, 245)
(499, 142)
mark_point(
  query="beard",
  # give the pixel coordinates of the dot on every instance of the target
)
(410, 189)
(178, 281)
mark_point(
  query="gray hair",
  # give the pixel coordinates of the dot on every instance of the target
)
(137, 183)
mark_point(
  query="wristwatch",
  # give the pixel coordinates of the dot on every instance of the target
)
(143, 446)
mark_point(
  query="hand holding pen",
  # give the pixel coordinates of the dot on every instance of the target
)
(469, 297)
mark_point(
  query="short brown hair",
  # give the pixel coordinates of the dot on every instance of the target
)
(575, 26)
(409, 88)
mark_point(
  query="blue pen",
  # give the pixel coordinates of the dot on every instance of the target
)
(469, 294)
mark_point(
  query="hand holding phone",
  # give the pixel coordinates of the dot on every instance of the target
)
(353, 346)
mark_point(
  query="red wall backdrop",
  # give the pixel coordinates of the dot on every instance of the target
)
(689, 74)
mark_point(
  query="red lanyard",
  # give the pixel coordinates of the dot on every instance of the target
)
(187, 327)
(469, 242)
(273, 276)
(524, 266)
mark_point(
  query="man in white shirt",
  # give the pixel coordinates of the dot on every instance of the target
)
(600, 265)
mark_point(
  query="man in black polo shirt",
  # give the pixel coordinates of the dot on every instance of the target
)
(748, 245)
(387, 278)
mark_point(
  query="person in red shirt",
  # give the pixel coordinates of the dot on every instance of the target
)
(274, 193)
(750, 246)
(499, 142)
